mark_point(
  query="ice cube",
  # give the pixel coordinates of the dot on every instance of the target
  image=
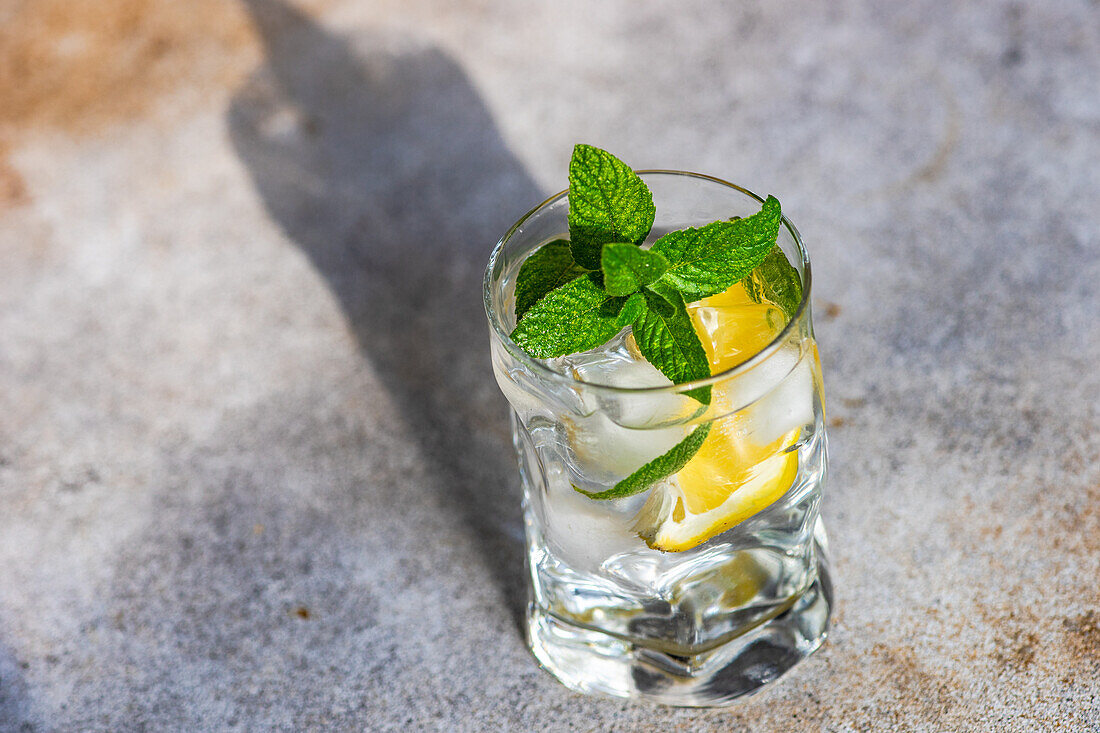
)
(604, 452)
(759, 379)
(787, 404)
(602, 365)
(615, 365)
(585, 532)
(603, 449)
(530, 393)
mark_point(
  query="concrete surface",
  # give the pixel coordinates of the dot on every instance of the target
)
(254, 472)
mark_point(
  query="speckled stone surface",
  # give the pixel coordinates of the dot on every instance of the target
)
(255, 473)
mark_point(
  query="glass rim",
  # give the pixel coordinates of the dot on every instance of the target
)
(545, 371)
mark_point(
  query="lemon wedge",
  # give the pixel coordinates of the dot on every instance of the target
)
(683, 512)
(733, 476)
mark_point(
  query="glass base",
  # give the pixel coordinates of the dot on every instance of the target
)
(594, 662)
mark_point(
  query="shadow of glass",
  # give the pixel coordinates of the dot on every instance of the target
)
(381, 162)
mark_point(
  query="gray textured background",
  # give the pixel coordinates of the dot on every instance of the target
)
(255, 474)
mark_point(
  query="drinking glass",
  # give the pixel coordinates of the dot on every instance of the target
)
(681, 624)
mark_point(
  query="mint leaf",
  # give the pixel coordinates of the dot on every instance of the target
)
(577, 316)
(632, 308)
(659, 304)
(775, 280)
(548, 267)
(660, 467)
(669, 342)
(713, 258)
(627, 267)
(608, 202)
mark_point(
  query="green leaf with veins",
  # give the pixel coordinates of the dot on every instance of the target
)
(660, 467)
(708, 260)
(658, 303)
(574, 317)
(670, 343)
(632, 309)
(608, 202)
(775, 281)
(627, 267)
(548, 267)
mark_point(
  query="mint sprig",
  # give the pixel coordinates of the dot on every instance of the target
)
(572, 296)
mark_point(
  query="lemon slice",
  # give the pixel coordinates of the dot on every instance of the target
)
(733, 476)
(685, 511)
(733, 328)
